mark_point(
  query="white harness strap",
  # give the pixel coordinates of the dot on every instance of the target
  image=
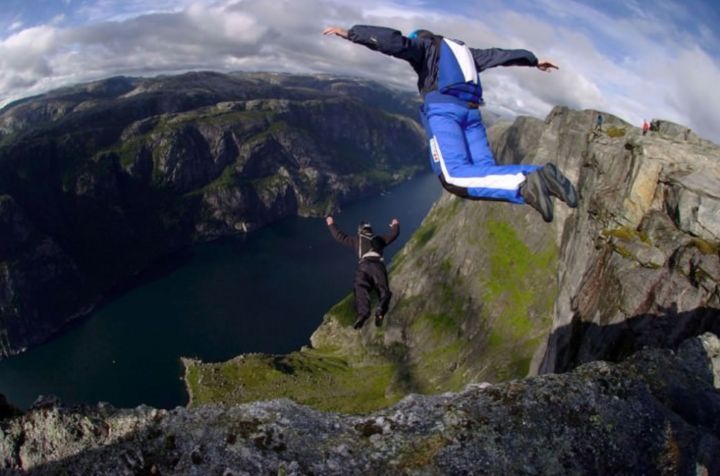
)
(368, 254)
(465, 59)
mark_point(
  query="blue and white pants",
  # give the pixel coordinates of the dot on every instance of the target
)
(461, 156)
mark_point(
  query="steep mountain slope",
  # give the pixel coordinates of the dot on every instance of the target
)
(99, 181)
(481, 285)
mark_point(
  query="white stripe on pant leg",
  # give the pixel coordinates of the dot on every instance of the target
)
(497, 182)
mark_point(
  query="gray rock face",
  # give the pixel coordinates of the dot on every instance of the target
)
(673, 131)
(656, 413)
(37, 278)
(100, 181)
(639, 260)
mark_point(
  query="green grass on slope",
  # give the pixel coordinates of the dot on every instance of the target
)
(518, 282)
(513, 297)
(309, 377)
(344, 311)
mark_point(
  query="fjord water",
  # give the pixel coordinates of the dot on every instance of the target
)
(266, 292)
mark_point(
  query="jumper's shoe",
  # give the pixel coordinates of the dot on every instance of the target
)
(536, 194)
(379, 318)
(359, 322)
(558, 185)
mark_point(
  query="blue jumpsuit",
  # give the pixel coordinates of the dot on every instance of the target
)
(449, 82)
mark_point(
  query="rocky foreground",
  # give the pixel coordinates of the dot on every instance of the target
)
(658, 412)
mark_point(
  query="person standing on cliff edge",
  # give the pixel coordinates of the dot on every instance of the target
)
(448, 79)
(370, 272)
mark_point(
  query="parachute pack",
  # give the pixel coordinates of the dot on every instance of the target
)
(369, 244)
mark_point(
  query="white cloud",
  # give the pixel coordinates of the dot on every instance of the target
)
(691, 90)
(644, 66)
(23, 58)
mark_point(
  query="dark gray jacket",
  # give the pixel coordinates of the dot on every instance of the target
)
(352, 241)
(422, 53)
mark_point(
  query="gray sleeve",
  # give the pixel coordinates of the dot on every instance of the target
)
(388, 41)
(493, 57)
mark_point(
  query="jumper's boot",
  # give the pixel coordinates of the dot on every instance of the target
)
(379, 318)
(359, 322)
(536, 194)
(558, 185)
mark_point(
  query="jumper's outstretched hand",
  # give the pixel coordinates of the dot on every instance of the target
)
(333, 30)
(545, 65)
(329, 221)
(394, 222)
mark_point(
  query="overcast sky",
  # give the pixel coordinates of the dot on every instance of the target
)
(634, 59)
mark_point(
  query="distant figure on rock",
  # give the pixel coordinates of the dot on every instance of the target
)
(370, 273)
(599, 122)
(645, 127)
(448, 79)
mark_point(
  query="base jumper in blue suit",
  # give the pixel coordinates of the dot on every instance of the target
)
(448, 79)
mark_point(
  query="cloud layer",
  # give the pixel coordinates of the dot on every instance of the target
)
(629, 61)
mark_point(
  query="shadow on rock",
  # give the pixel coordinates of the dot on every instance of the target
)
(582, 342)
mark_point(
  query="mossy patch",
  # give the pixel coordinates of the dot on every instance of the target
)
(128, 151)
(705, 247)
(440, 369)
(227, 179)
(626, 234)
(440, 322)
(513, 268)
(310, 377)
(424, 234)
(420, 454)
(616, 132)
(344, 311)
(270, 183)
(517, 283)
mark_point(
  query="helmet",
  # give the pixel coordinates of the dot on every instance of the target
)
(365, 228)
(415, 34)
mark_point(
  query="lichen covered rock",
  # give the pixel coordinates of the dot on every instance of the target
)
(658, 412)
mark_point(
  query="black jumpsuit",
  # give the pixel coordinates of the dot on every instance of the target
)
(370, 273)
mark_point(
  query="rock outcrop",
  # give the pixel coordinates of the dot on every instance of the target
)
(640, 260)
(658, 412)
(99, 181)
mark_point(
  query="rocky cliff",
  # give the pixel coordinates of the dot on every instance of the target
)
(99, 181)
(640, 261)
(658, 412)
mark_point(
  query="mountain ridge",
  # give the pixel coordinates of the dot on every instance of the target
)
(100, 181)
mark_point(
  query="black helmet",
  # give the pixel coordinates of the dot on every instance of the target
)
(365, 228)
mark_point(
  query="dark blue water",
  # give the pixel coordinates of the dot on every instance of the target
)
(266, 292)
